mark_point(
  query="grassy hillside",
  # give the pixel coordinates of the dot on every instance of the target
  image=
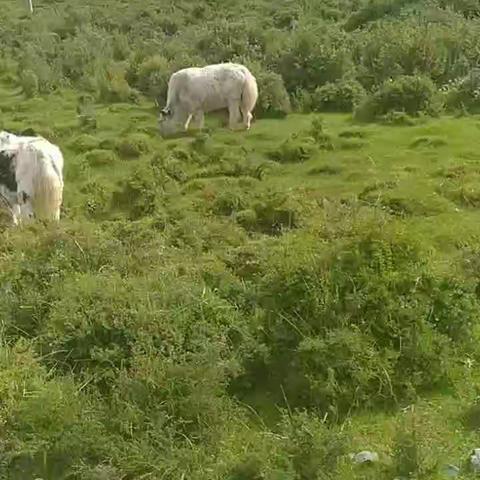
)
(249, 305)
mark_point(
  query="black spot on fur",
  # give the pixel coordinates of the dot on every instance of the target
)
(7, 171)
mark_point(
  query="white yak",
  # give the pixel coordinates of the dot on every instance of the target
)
(194, 91)
(31, 177)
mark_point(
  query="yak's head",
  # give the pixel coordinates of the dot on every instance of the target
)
(6, 138)
(167, 123)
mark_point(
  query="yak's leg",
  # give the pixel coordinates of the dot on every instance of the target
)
(233, 114)
(198, 120)
(247, 118)
(189, 119)
(16, 214)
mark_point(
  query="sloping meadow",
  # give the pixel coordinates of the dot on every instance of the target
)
(233, 306)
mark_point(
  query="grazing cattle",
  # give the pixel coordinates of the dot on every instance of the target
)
(31, 177)
(195, 91)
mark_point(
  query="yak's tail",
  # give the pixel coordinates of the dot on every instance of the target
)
(249, 97)
(47, 188)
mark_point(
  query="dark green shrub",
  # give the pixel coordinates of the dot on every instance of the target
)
(468, 8)
(312, 58)
(294, 150)
(100, 157)
(313, 448)
(152, 77)
(111, 86)
(398, 119)
(410, 94)
(464, 93)
(340, 96)
(322, 139)
(133, 145)
(374, 10)
(139, 194)
(273, 100)
(29, 83)
(84, 142)
(328, 310)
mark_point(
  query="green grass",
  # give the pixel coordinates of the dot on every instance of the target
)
(392, 172)
(240, 305)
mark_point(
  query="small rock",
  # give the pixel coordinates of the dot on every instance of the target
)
(451, 471)
(364, 457)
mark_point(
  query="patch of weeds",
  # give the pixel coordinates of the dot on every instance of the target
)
(433, 142)
(353, 134)
(471, 418)
(133, 146)
(323, 139)
(399, 119)
(99, 157)
(412, 457)
(229, 202)
(294, 150)
(84, 142)
(247, 218)
(364, 194)
(351, 144)
(138, 194)
(274, 216)
(465, 194)
(96, 204)
(325, 170)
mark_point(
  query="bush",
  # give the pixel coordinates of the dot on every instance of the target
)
(273, 100)
(464, 93)
(294, 150)
(133, 146)
(410, 94)
(340, 96)
(100, 157)
(29, 83)
(312, 58)
(152, 77)
(326, 310)
(374, 10)
(111, 86)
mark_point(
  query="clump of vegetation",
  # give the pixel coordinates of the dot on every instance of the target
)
(340, 96)
(247, 305)
(133, 145)
(29, 83)
(464, 93)
(294, 150)
(100, 157)
(410, 94)
(273, 100)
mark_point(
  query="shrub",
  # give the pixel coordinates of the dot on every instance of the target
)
(84, 142)
(138, 194)
(410, 94)
(29, 83)
(111, 86)
(273, 98)
(313, 57)
(322, 139)
(153, 75)
(374, 10)
(294, 150)
(340, 96)
(325, 310)
(133, 146)
(464, 93)
(100, 157)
